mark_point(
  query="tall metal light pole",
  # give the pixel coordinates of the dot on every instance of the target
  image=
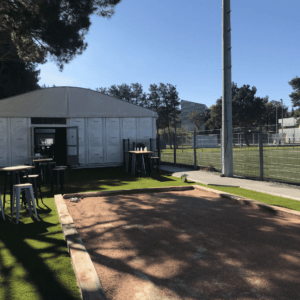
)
(276, 121)
(282, 117)
(227, 158)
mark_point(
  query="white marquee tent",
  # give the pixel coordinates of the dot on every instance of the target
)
(87, 127)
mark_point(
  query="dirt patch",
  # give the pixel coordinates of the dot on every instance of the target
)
(188, 245)
(209, 169)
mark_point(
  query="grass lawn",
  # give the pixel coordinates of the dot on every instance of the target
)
(34, 260)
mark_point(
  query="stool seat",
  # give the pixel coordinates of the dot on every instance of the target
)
(32, 176)
(23, 184)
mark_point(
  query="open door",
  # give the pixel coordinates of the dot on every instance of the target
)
(72, 146)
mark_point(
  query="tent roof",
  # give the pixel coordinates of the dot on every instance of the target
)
(70, 102)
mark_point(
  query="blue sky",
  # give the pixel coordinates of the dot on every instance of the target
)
(180, 42)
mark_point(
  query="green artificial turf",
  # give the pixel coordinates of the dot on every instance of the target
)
(34, 260)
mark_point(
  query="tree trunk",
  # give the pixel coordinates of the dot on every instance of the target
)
(170, 138)
(246, 137)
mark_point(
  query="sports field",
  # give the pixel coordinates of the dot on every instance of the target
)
(281, 163)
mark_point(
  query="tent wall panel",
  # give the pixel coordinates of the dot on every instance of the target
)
(129, 129)
(95, 140)
(4, 142)
(145, 130)
(113, 141)
(19, 140)
(79, 122)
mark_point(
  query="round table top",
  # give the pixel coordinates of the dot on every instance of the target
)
(16, 168)
(140, 152)
(42, 159)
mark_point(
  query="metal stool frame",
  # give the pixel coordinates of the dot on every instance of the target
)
(18, 188)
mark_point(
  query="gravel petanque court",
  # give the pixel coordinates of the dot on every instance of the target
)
(190, 244)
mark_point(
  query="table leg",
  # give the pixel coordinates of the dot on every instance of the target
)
(4, 190)
(49, 177)
(19, 181)
(129, 163)
(26, 180)
(137, 165)
(11, 192)
(143, 165)
(62, 182)
(52, 181)
(57, 179)
(133, 164)
(148, 165)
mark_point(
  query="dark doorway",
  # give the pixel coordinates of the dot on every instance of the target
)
(55, 147)
(60, 147)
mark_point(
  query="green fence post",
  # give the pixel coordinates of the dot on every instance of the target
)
(175, 149)
(158, 146)
(261, 154)
(124, 151)
(195, 157)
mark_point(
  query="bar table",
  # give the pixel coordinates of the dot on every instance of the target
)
(141, 157)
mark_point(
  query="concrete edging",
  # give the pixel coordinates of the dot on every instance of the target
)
(87, 279)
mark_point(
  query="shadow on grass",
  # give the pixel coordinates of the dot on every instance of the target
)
(34, 259)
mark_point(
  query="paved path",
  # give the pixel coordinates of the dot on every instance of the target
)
(214, 178)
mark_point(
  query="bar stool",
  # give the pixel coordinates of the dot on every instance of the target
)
(153, 159)
(18, 188)
(66, 173)
(52, 164)
(33, 178)
(2, 208)
(56, 170)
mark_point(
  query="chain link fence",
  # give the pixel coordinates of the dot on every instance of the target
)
(275, 158)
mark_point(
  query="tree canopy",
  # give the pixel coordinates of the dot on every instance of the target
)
(18, 78)
(162, 99)
(295, 96)
(41, 27)
(248, 110)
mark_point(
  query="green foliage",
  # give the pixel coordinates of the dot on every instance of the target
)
(295, 83)
(162, 99)
(57, 28)
(196, 117)
(18, 78)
